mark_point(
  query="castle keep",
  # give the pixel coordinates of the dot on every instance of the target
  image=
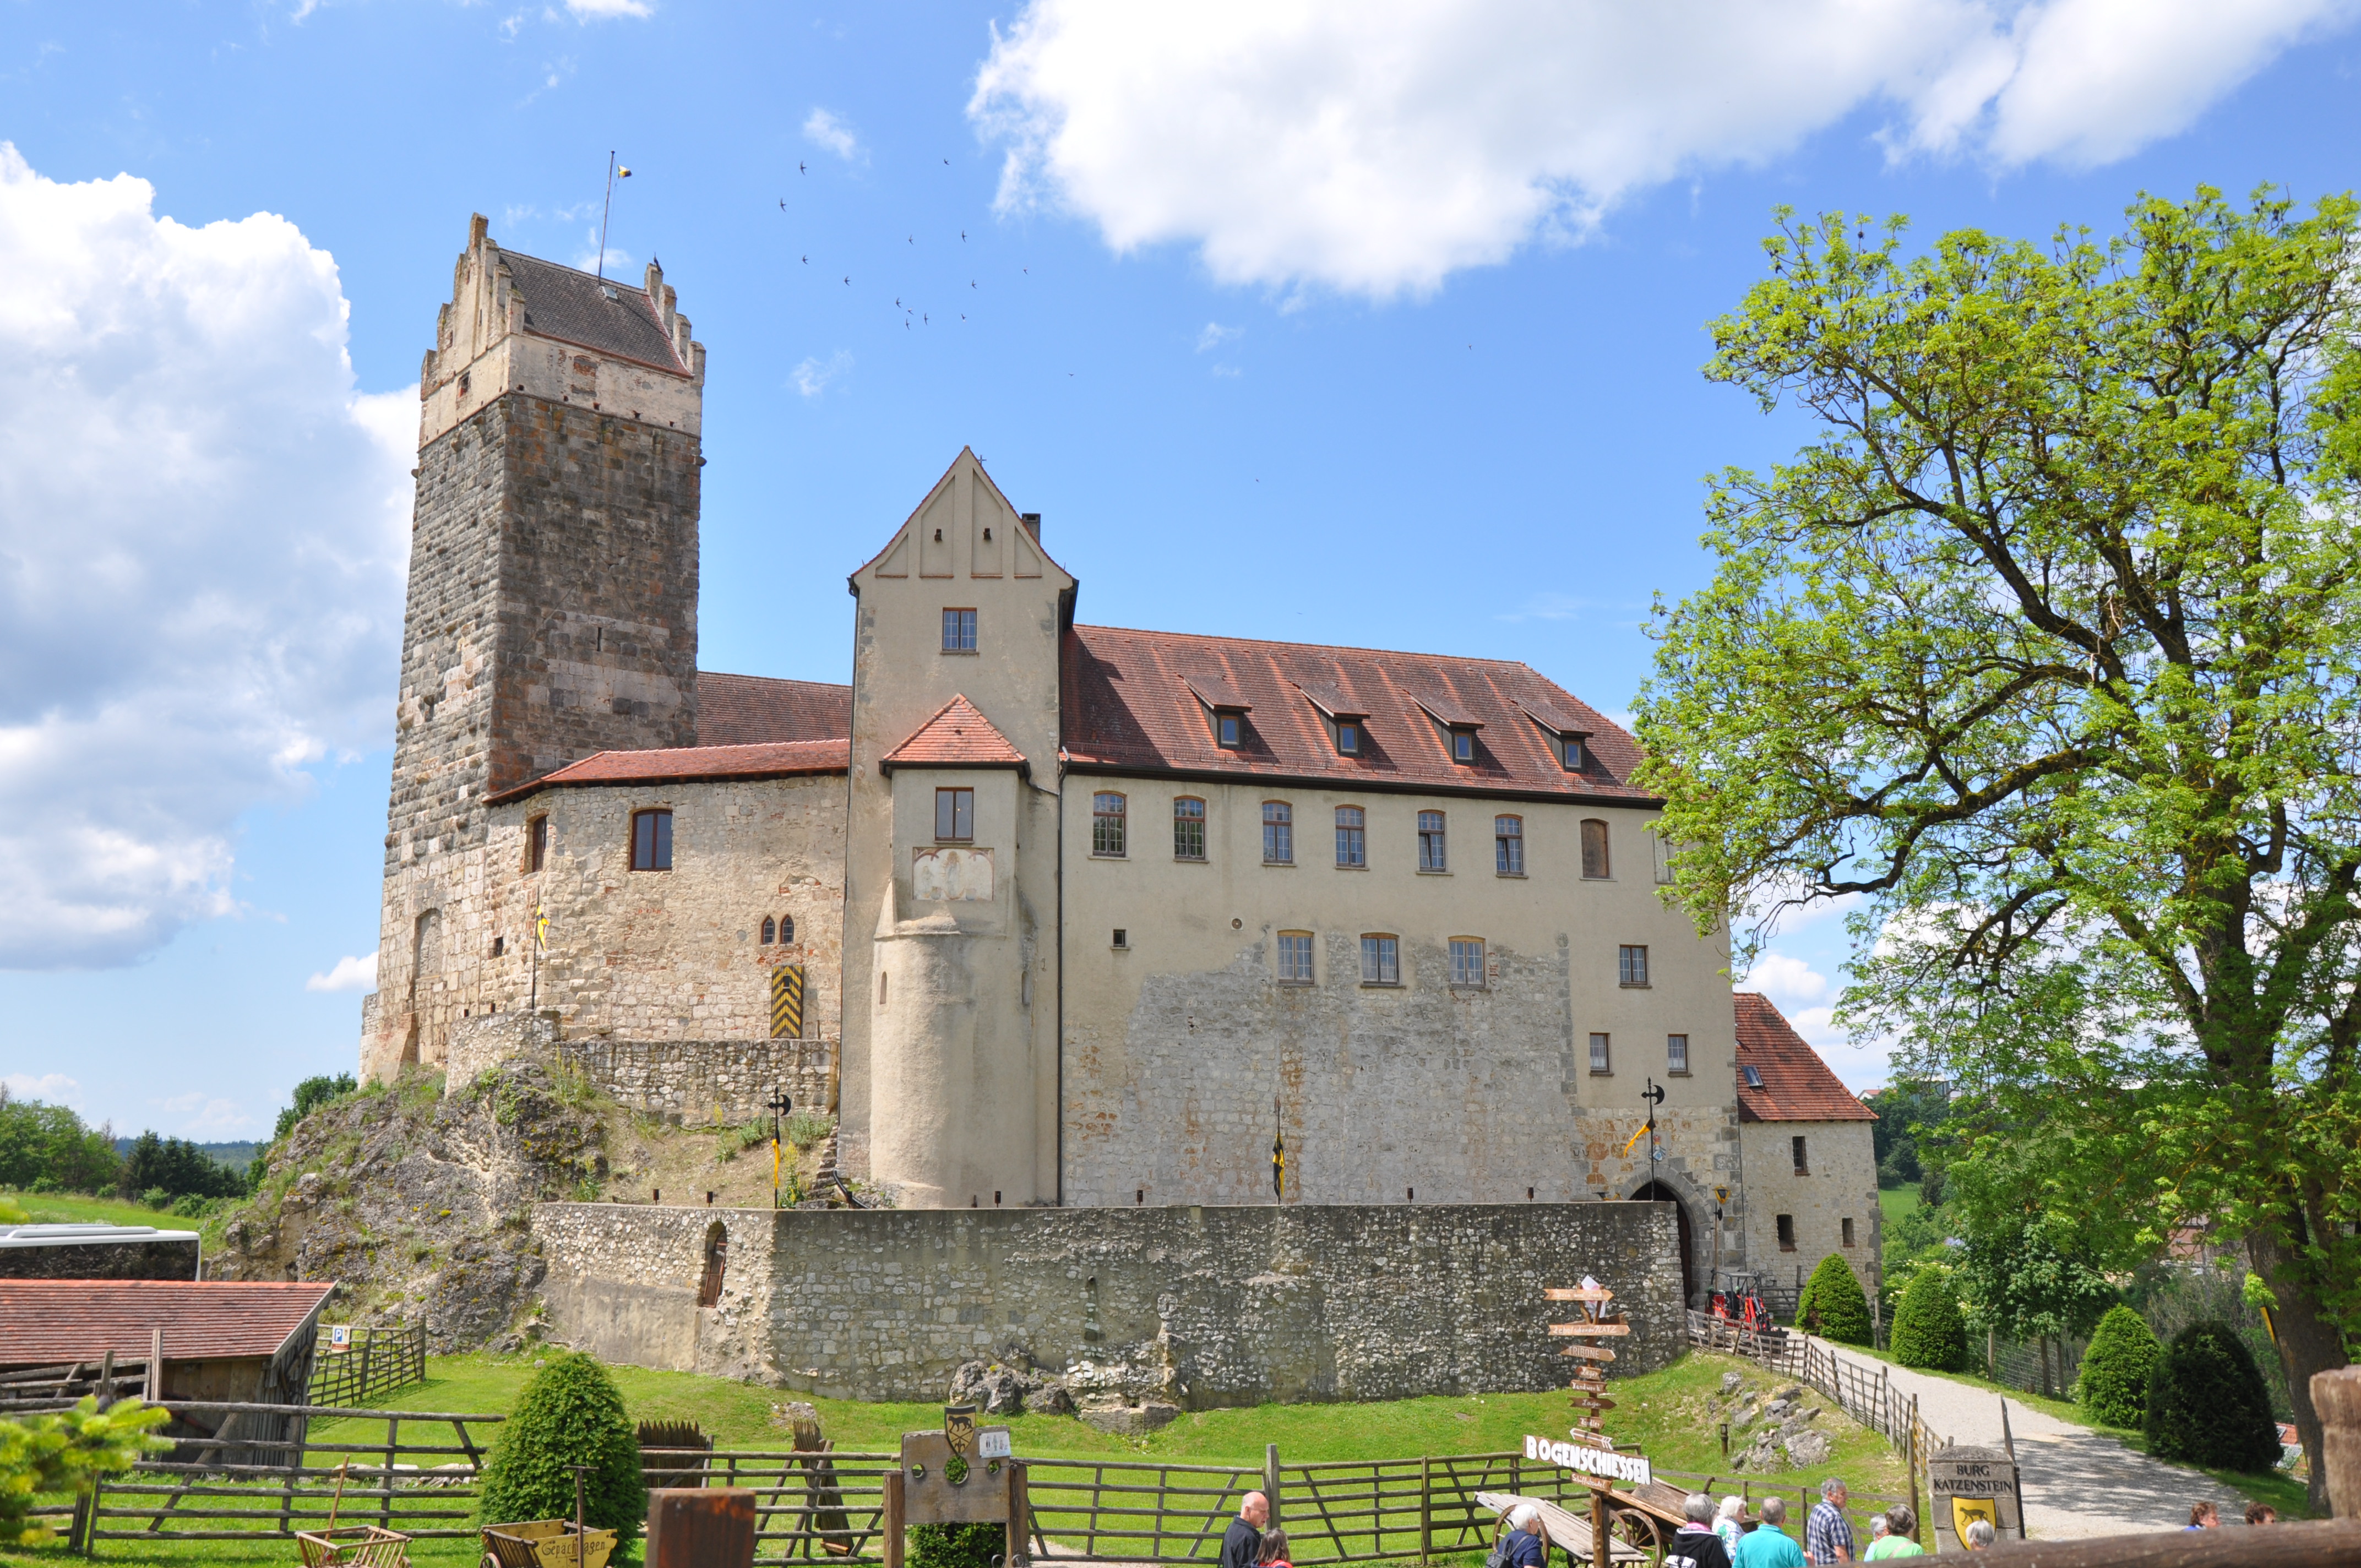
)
(1049, 914)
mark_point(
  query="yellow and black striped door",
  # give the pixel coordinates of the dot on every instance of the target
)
(787, 1002)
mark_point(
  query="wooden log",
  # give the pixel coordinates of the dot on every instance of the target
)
(2313, 1543)
(1588, 1329)
(2336, 1396)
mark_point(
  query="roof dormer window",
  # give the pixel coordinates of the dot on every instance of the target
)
(1753, 1077)
(1463, 745)
(1227, 707)
(1348, 738)
(1226, 729)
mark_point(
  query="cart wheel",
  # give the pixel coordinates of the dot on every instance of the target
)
(490, 1560)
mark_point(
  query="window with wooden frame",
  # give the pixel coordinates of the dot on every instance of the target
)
(652, 841)
(1463, 745)
(1380, 960)
(786, 929)
(1188, 828)
(1786, 1233)
(1676, 1054)
(716, 1262)
(1107, 815)
(1352, 836)
(1229, 729)
(954, 815)
(1295, 957)
(1630, 965)
(770, 930)
(1595, 863)
(1508, 846)
(1277, 833)
(1467, 962)
(959, 631)
(536, 842)
(1431, 855)
(1348, 738)
(1802, 1155)
(1601, 1062)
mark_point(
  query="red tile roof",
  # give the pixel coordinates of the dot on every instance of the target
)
(958, 736)
(43, 1321)
(1797, 1084)
(753, 710)
(691, 764)
(1134, 701)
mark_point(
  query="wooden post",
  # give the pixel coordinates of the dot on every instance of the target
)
(1270, 1481)
(2336, 1399)
(890, 1521)
(1017, 1500)
(385, 1482)
(155, 1387)
(1425, 1508)
(1601, 1554)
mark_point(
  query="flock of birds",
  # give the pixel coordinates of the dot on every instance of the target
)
(913, 316)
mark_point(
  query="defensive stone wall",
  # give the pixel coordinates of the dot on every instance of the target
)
(697, 1082)
(1207, 1307)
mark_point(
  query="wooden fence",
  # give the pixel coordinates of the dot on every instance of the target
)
(31, 1389)
(378, 1362)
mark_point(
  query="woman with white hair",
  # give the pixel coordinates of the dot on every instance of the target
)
(1727, 1526)
(1524, 1545)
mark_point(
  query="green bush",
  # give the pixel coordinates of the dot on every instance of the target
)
(2113, 1382)
(957, 1545)
(571, 1413)
(1927, 1330)
(1834, 1298)
(64, 1452)
(2207, 1405)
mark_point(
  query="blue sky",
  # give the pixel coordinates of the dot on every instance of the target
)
(1377, 324)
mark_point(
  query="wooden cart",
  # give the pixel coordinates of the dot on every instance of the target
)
(545, 1543)
(353, 1546)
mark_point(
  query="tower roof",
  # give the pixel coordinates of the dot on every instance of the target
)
(601, 314)
(1789, 1082)
(958, 736)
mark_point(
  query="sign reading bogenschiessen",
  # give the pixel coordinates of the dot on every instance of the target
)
(1589, 1461)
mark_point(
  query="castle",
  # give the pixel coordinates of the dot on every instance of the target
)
(1051, 913)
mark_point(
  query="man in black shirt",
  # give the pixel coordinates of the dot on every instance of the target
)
(1242, 1547)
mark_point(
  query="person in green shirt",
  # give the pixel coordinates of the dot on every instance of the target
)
(1768, 1546)
(1896, 1541)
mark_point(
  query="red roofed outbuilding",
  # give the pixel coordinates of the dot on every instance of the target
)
(1810, 1159)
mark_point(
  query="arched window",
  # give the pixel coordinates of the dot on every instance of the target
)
(1593, 849)
(787, 927)
(1188, 829)
(770, 930)
(716, 1258)
(652, 841)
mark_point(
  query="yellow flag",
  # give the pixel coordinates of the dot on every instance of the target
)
(1635, 1137)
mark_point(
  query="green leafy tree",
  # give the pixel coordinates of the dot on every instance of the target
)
(310, 1095)
(1832, 1304)
(2112, 1384)
(1906, 1109)
(49, 1144)
(2206, 1403)
(570, 1413)
(174, 1167)
(1927, 1330)
(2043, 650)
(65, 1453)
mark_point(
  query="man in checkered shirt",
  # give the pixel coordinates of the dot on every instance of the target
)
(1828, 1536)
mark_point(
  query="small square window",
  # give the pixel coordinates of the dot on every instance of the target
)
(1786, 1233)
(1463, 746)
(959, 631)
(1380, 960)
(1630, 965)
(1295, 957)
(1121, 939)
(1467, 962)
(1277, 833)
(1753, 1077)
(1352, 836)
(1107, 819)
(1509, 845)
(1848, 1230)
(1677, 1054)
(1599, 1061)
(1226, 728)
(954, 815)
(1348, 738)
(1430, 842)
(1188, 829)
(652, 841)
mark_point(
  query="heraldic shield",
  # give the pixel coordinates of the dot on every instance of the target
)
(1965, 1511)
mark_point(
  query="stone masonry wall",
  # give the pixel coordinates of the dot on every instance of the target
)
(1207, 1307)
(706, 1083)
(1840, 1184)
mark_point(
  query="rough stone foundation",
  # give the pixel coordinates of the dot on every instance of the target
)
(702, 1083)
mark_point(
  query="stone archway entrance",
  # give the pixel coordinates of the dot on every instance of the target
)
(1657, 1192)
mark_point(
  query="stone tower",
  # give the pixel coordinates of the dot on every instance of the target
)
(553, 592)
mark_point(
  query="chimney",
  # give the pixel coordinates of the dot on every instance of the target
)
(1032, 522)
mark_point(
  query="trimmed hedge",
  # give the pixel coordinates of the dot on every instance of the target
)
(571, 1413)
(1927, 1330)
(2207, 1405)
(957, 1545)
(1835, 1296)
(2116, 1368)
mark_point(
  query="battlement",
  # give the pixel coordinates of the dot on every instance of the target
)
(517, 323)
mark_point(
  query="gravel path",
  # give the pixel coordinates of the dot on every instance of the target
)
(2077, 1482)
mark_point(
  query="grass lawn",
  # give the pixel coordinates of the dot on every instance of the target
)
(1895, 1201)
(73, 1208)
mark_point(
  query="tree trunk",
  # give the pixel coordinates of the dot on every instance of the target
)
(2308, 1342)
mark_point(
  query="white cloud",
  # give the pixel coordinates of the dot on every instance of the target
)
(811, 378)
(349, 974)
(1215, 335)
(50, 1088)
(593, 10)
(203, 1118)
(823, 129)
(1376, 148)
(203, 534)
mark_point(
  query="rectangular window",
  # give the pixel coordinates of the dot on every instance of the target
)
(1295, 957)
(652, 841)
(1188, 829)
(1599, 1061)
(1380, 960)
(1848, 1230)
(1121, 939)
(1225, 730)
(1786, 1233)
(1463, 745)
(1573, 748)
(1348, 738)
(1631, 965)
(959, 631)
(1430, 842)
(1509, 845)
(1663, 857)
(1467, 961)
(1277, 833)
(1677, 1054)
(1803, 1164)
(537, 843)
(1106, 825)
(1753, 1077)
(1352, 837)
(954, 815)
(1593, 849)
